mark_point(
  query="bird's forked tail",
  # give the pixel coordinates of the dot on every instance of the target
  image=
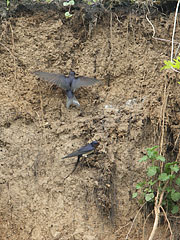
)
(72, 101)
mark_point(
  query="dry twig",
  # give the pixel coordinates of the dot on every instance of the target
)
(127, 236)
(169, 225)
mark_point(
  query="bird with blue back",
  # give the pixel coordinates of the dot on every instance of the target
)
(69, 84)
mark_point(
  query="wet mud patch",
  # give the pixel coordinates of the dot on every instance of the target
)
(36, 129)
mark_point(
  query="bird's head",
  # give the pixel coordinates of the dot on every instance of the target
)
(95, 144)
(71, 73)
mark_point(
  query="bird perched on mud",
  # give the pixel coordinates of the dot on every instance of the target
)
(69, 84)
(83, 151)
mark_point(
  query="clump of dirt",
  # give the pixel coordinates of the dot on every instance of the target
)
(125, 114)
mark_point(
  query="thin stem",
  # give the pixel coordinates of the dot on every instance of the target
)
(174, 29)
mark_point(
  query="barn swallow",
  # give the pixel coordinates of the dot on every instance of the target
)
(69, 84)
(83, 151)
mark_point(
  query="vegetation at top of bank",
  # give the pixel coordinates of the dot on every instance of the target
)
(107, 4)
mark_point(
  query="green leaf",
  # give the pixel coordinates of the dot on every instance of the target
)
(151, 183)
(175, 168)
(152, 154)
(167, 167)
(178, 181)
(140, 185)
(65, 4)
(163, 177)
(149, 197)
(173, 190)
(161, 158)
(134, 195)
(175, 209)
(71, 2)
(152, 149)
(175, 196)
(171, 176)
(143, 159)
(168, 189)
(175, 64)
(152, 171)
(168, 65)
(146, 190)
(68, 15)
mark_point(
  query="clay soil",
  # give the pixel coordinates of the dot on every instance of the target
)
(125, 114)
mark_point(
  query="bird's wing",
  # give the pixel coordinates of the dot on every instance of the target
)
(81, 151)
(54, 78)
(73, 154)
(83, 82)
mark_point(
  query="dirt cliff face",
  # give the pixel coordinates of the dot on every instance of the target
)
(124, 114)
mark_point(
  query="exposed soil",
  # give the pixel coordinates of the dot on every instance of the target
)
(124, 114)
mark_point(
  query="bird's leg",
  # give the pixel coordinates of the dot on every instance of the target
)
(74, 167)
(87, 162)
(86, 157)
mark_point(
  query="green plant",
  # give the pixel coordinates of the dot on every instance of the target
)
(161, 177)
(68, 4)
(172, 64)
